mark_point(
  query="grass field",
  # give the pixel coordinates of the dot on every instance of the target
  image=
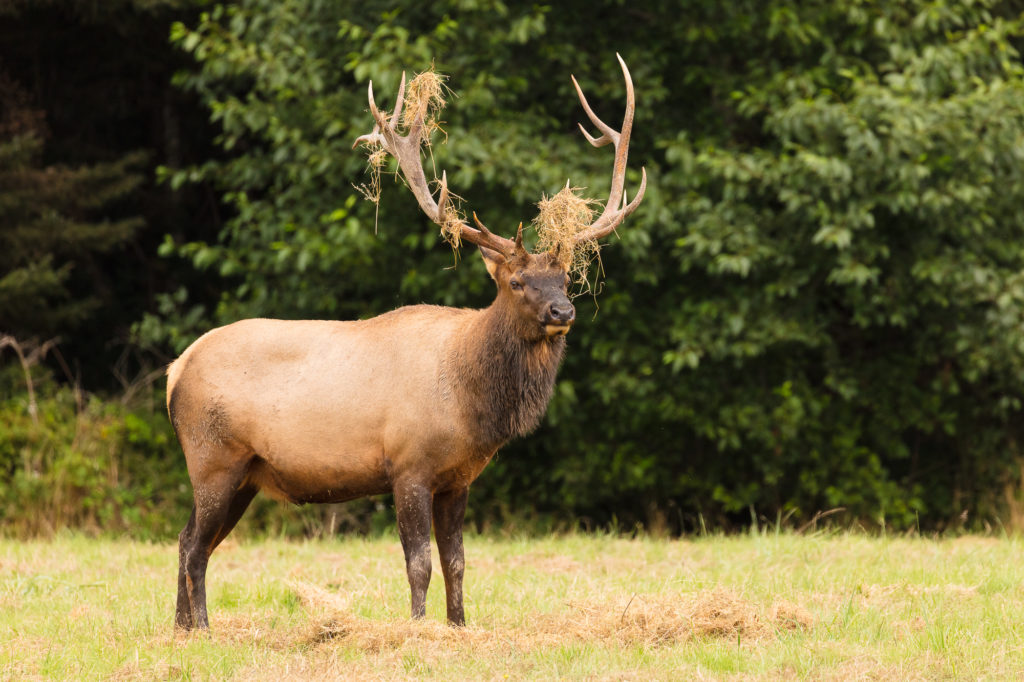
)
(754, 607)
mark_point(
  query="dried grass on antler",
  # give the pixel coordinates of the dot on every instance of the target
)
(425, 99)
(559, 219)
(452, 221)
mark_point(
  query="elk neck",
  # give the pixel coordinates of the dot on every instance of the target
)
(505, 373)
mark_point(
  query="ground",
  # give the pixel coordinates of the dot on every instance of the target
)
(765, 606)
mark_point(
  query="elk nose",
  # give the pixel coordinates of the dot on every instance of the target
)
(562, 312)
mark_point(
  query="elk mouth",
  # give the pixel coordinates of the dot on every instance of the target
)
(557, 328)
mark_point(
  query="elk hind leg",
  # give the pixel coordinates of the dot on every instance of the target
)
(183, 612)
(220, 501)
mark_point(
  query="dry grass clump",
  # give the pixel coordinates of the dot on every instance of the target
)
(559, 219)
(647, 621)
(425, 100)
(662, 620)
(452, 221)
(375, 160)
(318, 600)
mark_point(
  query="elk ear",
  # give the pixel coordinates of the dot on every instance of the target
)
(492, 261)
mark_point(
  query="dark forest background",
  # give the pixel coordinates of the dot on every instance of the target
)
(818, 308)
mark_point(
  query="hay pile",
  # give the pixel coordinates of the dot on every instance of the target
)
(640, 620)
(653, 621)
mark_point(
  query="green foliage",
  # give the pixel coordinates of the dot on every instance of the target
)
(85, 463)
(818, 305)
(858, 263)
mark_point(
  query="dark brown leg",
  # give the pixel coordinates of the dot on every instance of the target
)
(239, 504)
(412, 502)
(218, 508)
(183, 612)
(449, 514)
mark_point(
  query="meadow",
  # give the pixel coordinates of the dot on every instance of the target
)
(761, 606)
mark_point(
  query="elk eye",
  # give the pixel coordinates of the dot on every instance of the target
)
(515, 284)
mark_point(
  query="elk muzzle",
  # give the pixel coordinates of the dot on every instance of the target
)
(559, 318)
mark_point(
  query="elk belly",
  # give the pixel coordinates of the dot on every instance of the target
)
(323, 477)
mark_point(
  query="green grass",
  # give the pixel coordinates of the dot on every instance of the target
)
(828, 606)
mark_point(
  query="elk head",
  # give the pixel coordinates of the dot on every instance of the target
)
(533, 285)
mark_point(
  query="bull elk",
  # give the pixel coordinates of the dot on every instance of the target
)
(414, 402)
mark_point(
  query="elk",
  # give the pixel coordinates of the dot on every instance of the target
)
(414, 402)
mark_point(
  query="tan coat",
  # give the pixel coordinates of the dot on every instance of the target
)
(329, 411)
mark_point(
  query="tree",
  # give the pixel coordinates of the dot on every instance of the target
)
(49, 231)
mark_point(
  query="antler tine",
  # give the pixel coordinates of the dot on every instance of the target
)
(609, 220)
(617, 208)
(399, 103)
(374, 136)
(377, 116)
(481, 236)
(380, 123)
(608, 133)
(443, 199)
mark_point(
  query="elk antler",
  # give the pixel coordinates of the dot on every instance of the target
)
(617, 208)
(406, 150)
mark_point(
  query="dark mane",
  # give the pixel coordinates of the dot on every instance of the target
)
(507, 380)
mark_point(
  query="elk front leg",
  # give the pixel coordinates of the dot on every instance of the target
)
(449, 514)
(413, 502)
